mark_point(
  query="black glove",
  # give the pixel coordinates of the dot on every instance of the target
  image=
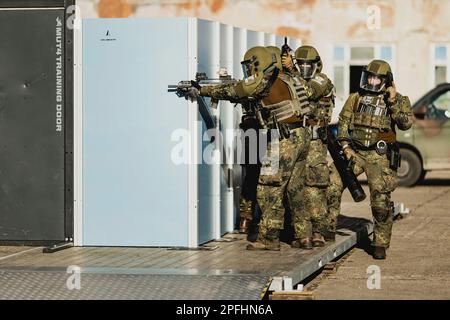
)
(192, 94)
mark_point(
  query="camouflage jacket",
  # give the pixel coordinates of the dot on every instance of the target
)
(238, 92)
(367, 116)
(320, 92)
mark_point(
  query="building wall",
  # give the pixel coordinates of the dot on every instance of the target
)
(409, 27)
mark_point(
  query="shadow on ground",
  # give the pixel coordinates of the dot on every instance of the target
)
(434, 182)
(354, 224)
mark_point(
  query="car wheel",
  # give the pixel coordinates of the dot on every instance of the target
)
(410, 170)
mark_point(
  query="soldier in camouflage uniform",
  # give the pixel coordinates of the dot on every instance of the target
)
(260, 67)
(284, 100)
(286, 183)
(248, 207)
(366, 132)
(248, 92)
(311, 216)
(250, 172)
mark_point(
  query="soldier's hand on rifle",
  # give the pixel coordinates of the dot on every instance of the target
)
(286, 61)
(192, 94)
(349, 153)
(391, 93)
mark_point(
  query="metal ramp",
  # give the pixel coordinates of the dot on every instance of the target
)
(221, 270)
(103, 286)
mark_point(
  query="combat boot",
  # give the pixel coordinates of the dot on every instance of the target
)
(303, 243)
(329, 236)
(270, 242)
(253, 231)
(379, 253)
(244, 224)
(318, 240)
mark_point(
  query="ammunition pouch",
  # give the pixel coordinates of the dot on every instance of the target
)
(394, 156)
(285, 128)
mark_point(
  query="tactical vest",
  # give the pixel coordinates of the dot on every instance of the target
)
(323, 109)
(371, 120)
(287, 100)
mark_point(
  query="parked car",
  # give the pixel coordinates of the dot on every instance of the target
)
(426, 146)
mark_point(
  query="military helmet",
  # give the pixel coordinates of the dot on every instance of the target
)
(259, 61)
(376, 76)
(277, 52)
(308, 61)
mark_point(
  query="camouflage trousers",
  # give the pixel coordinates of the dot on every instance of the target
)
(382, 181)
(245, 209)
(311, 213)
(334, 195)
(248, 195)
(273, 188)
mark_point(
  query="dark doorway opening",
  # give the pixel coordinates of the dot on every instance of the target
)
(355, 77)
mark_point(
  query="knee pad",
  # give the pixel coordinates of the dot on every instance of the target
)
(380, 200)
(380, 214)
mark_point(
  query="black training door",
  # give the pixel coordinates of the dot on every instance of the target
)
(32, 125)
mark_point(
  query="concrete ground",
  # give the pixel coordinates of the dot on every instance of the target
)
(418, 261)
(418, 264)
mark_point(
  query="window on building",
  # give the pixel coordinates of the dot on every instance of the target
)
(440, 74)
(349, 60)
(339, 53)
(339, 80)
(362, 53)
(440, 53)
(441, 63)
(386, 53)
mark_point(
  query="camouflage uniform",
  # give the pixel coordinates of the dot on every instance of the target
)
(272, 189)
(368, 128)
(287, 181)
(309, 217)
(334, 194)
(284, 100)
(247, 92)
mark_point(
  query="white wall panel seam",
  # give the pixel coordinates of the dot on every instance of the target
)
(193, 141)
(78, 135)
(217, 152)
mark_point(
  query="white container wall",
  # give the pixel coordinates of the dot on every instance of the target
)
(227, 124)
(129, 175)
(135, 185)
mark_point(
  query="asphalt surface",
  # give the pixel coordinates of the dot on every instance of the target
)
(418, 261)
